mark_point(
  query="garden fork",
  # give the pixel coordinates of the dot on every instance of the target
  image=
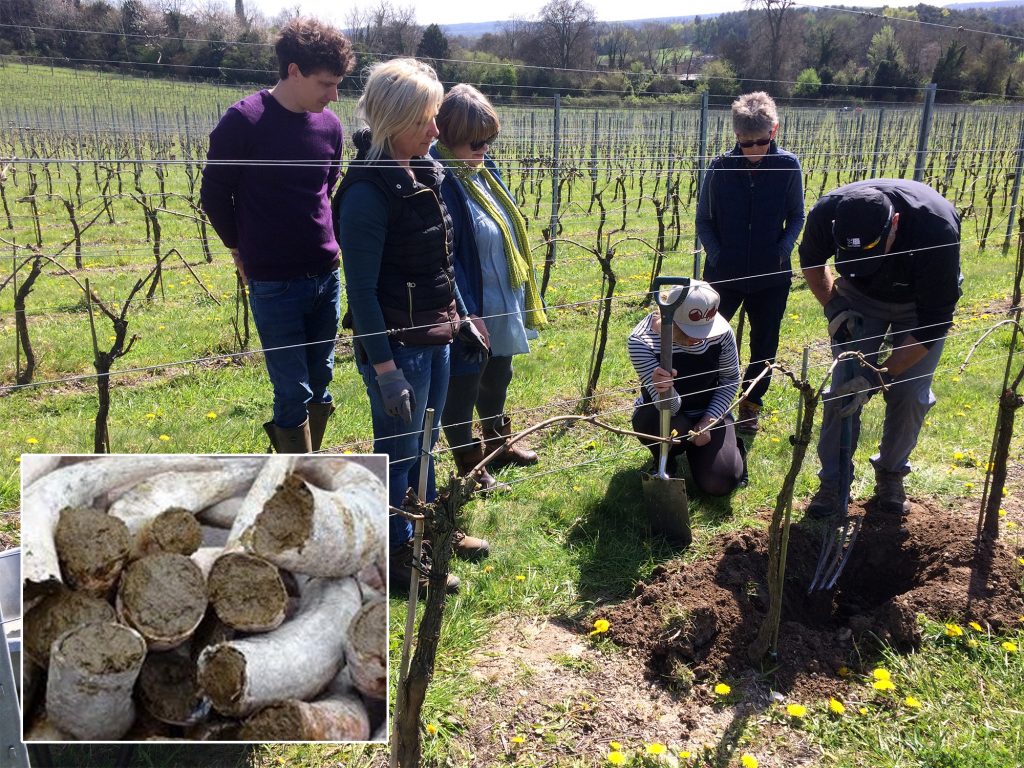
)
(839, 531)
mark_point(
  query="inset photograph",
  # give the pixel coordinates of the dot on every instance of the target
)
(204, 598)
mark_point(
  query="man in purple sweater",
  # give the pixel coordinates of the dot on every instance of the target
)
(274, 158)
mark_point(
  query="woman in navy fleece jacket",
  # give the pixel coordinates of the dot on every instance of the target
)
(749, 215)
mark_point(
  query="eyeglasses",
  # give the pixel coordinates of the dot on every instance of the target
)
(755, 143)
(476, 146)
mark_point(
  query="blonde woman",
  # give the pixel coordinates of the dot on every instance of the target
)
(495, 277)
(395, 237)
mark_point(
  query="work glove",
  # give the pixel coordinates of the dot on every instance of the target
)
(475, 346)
(835, 305)
(857, 391)
(397, 394)
(845, 326)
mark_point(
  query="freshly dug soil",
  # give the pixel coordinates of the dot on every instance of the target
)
(92, 548)
(55, 615)
(704, 615)
(164, 597)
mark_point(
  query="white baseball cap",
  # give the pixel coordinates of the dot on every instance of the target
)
(698, 315)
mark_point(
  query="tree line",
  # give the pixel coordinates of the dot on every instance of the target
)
(804, 53)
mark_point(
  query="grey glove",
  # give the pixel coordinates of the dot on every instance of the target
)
(845, 326)
(477, 348)
(859, 390)
(397, 394)
(835, 305)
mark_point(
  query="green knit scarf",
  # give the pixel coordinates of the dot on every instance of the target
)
(517, 252)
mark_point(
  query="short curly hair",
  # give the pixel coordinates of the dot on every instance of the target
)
(754, 113)
(314, 47)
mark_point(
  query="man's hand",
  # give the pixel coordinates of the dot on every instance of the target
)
(845, 326)
(397, 394)
(235, 257)
(476, 347)
(858, 390)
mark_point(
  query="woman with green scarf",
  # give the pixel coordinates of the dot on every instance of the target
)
(495, 276)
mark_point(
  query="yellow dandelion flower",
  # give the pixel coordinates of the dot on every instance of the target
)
(1002, 513)
(1008, 646)
(863, 710)
(1020, 561)
(911, 702)
(17, 459)
(1011, 524)
(972, 643)
(162, 327)
(32, 441)
(722, 689)
(775, 439)
(431, 729)
(748, 761)
(601, 625)
(655, 749)
(615, 746)
(796, 710)
(211, 415)
(968, 486)
(836, 707)
(488, 568)
(616, 758)
(517, 739)
(520, 577)
(843, 671)
(150, 415)
(958, 455)
(880, 673)
(976, 626)
(684, 755)
(165, 438)
(954, 630)
(883, 685)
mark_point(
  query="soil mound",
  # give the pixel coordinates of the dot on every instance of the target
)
(700, 617)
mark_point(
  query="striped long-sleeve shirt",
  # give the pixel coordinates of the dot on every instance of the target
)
(644, 347)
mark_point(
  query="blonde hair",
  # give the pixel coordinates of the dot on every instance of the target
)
(466, 116)
(754, 113)
(398, 95)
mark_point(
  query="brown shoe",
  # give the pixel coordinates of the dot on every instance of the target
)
(468, 547)
(468, 457)
(746, 424)
(400, 569)
(496, 436)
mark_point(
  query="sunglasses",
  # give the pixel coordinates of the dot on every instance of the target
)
(755, 143)
(476, 146)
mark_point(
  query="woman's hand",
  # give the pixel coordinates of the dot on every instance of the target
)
(702, 436)
(662, 380)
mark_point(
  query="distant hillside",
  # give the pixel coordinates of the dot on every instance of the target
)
(990, 4)
(477, 29)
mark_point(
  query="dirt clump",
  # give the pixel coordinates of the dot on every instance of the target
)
(701, 617)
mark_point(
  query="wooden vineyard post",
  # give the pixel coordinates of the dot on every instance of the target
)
(922, 136)
(702, 151)
(1016, 187)
(555, 149)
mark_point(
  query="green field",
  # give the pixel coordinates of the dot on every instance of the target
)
(568, 537)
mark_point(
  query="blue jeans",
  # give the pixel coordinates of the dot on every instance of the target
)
(765, 310)
(426, 370)
(907, 401)
(288, 315)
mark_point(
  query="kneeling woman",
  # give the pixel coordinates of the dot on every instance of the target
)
(702, 385)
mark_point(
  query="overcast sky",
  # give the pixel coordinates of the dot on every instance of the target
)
(458, 11)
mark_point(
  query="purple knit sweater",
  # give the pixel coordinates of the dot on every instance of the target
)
(274, 206)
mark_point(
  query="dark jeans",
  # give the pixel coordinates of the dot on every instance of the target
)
(765, 310)
(717, 467)
(426, 370)
(484, 390)
(289, 314)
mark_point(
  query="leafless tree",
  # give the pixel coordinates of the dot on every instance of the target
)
(775, 19)
(568, 27)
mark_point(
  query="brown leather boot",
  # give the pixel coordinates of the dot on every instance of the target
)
(294, 440)
(497, 435)
(319, 413)
(468, 457)
(400, 569)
